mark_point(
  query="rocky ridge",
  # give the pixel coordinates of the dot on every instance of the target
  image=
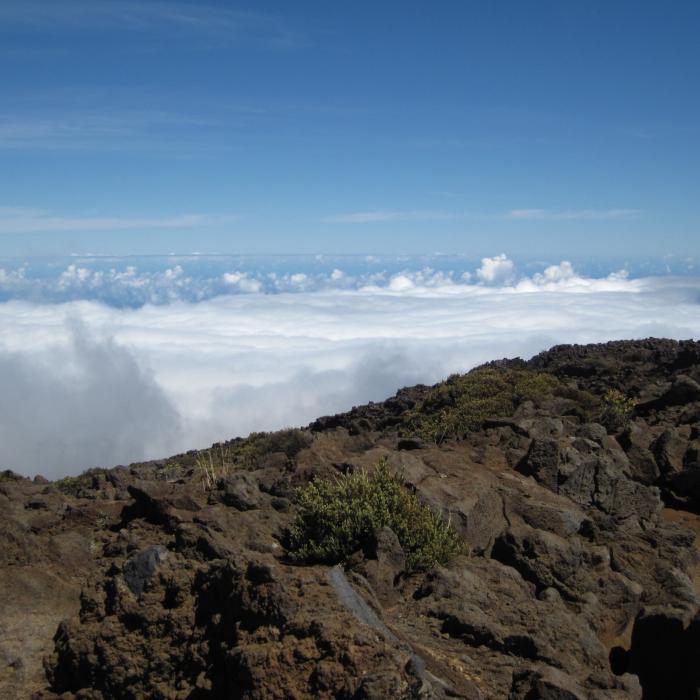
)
(583, 581)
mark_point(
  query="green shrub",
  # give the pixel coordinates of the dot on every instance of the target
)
(587, 405)
(463, 402)
(337, 517)
(617, 410)
(251, 451)
(77, 485)
(218, 460)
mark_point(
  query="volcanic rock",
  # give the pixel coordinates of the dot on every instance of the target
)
(581, 581)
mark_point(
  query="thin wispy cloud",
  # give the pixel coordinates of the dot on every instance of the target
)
(162, 122)
(14, 220)
(385, 215)
(223, 25)
(149, 130)
(573, 214)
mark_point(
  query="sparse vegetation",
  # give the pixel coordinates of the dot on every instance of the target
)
(587, 405)
(617, 410)
(249, 453)
(337, 517)
(213, 464)
(9, 475)
(75, 485)
(464, 401)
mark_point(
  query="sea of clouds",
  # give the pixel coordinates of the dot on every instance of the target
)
(104, 362)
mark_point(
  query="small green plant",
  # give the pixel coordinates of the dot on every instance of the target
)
(242, 453)
(170, 470)
(75, 485)
(463, 402)
(213, 464)
(337, 517)
(617, 410)
(251, 452)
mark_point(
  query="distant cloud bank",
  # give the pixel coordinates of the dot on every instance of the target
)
(87, 383)
(133, 283)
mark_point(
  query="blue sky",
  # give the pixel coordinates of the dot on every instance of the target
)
(562, 128)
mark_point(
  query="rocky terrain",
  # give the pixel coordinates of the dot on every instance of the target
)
(573, 478)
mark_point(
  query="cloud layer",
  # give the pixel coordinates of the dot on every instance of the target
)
(88, 384)
(120, 282)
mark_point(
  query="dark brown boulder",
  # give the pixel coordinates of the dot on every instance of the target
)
(240, 490)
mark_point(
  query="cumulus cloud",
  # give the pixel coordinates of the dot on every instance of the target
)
(556, 273)
(243, 282)
(497, 270)
(133, 283)
(133, 383)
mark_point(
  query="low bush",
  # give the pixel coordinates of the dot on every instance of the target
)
(77, 485)
(463, 402)
(617, 410)
(256, 446)
(245, 453)
(337, 517)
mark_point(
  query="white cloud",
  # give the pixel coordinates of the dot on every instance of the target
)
(401, 283)
(383, 215)
(242, 282)
(195, 20)
(15, 221)
(573, 214)
(236, 363)
(497, 270)
(557, 273)
(129, 285)
(79, 401)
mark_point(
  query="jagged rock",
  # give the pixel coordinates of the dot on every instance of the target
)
(384, 564)
(685, 485)
(636, 440)
(492, 611)
(669, 451)
(409, 444)
(683, 390)
(664, 652)
(140, 567)
(157, 501)
(592, 431)
(542, 462)
(631, 499)
(577, 476)
(545, 684)
(240, 490)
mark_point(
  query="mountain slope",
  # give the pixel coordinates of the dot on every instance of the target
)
(573, 479)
